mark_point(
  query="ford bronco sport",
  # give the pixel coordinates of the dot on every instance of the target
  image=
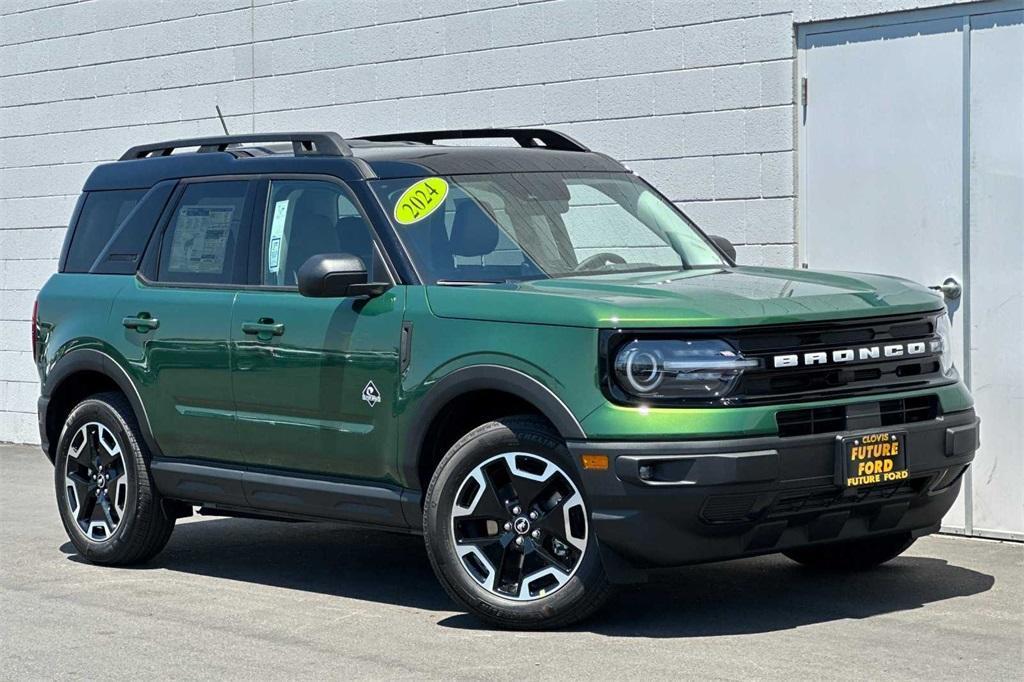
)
(523, 352)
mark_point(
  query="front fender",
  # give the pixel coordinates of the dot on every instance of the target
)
(473, 378)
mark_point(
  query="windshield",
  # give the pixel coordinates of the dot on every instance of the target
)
(517, 226)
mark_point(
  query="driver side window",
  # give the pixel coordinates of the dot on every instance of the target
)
(309, 217)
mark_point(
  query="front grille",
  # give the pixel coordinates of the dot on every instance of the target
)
(771, 384)
(808, 422)
(804, 501)
(727, 508)
(817, 361)
(755, 507)
(908, 410)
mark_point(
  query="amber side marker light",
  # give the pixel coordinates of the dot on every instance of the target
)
(595, 462)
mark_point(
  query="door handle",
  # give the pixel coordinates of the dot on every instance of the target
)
(265, 328)
(950, 289)
(141, 323)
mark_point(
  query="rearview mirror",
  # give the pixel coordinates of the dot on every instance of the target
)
(337, 275)
(725, 246)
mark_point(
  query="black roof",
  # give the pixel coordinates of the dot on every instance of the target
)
(414, 160)
(395, 155)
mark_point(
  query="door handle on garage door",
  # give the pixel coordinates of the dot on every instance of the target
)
(951, 289)
(265, 328)
(141, 323)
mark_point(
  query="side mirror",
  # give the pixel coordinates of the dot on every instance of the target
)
(337, 275)
(725, 246)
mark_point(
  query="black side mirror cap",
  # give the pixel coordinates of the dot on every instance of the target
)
(337, 275)
(725, 246)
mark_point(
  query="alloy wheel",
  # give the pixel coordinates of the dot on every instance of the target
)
(519, 525)
(96, 482)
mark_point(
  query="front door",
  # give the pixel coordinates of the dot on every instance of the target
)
(315, 379)
(174, 320)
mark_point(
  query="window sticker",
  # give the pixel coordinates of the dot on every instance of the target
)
(276, 235)
(274, 257)
(200, 239)
(420, 200)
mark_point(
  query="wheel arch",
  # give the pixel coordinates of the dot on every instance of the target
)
(76, 375)
(524, 394)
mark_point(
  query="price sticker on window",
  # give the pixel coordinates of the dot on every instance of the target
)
(276, 236)
(420, 200)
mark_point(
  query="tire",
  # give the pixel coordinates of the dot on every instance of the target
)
(853, 555)
(553, 554)
(108, 503)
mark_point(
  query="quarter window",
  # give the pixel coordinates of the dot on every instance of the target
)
(201, 243)
(101, 215)
(310, 217)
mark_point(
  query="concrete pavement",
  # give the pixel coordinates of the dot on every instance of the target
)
(236, 599)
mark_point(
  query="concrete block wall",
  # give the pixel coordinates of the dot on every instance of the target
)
(695, 95)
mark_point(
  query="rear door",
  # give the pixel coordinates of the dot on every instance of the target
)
(315, 379)
(174, 318)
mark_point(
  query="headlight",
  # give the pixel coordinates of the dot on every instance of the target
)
(944, 331)
(679, 369)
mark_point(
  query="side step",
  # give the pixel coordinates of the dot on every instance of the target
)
(267, 494)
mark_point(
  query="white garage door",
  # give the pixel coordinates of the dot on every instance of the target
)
(912, 163)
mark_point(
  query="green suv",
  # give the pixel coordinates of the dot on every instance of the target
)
(523, 352)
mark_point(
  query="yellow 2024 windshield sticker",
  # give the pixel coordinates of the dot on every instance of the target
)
(420, 200)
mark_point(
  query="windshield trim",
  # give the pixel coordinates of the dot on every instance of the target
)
(633, 271)
(568, 275)
(693, 223)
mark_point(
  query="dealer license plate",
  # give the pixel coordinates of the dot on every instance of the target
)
(872, 458)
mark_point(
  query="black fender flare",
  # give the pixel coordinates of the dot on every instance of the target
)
(91, 359)
(481, 377)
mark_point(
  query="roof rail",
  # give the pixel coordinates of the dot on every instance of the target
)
(304, 144)
(526, 137)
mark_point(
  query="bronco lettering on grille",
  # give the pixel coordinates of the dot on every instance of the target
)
(861, 353)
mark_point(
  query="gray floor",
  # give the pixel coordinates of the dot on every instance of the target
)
(233, 598)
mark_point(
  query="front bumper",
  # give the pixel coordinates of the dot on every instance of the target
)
(723, 499)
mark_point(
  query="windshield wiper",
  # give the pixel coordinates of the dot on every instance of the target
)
(468, 282)
(615, 271)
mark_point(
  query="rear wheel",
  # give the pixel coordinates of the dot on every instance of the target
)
(852, 555)
(109, 506)
(507, 528)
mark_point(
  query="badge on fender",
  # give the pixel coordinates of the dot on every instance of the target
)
(371, 396)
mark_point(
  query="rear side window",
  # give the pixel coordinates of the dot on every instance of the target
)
(102, 213)
(201, 242)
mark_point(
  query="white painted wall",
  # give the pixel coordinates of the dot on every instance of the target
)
(695, 95)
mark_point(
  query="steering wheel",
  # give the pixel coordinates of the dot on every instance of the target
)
(599, 260)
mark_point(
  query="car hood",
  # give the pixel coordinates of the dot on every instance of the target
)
(701, 297)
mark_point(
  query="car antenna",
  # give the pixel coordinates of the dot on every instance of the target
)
(221, 117)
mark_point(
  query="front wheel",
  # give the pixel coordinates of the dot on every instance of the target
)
(508, 531)
(852, 555)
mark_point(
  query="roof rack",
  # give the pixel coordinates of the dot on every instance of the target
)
(526, 137)
(303, 144)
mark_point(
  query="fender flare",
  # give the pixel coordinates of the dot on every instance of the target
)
(481, 377)
(91, 359)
